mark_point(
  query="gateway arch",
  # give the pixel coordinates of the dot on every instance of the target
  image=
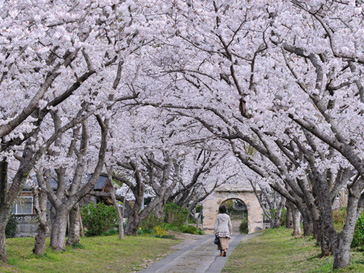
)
(246, 194)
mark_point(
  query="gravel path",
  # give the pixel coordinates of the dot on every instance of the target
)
(196, 255)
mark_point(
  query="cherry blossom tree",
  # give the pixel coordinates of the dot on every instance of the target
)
(52, 52)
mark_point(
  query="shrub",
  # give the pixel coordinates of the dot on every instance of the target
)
(151, 221)
(98, 218)
(171, 227)
(159, 231)
(113, 231)
(147, 232)
(358, 238)
(169, 236)
(243, 228)
(191, 230)
(174, 219)
(175, 214)
(10, 230)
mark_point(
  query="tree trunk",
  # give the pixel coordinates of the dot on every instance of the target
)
(40, 239)
(4, 215)
(307, 225)
(314, 218)
(329, 235)
(342, 256)
(3, 257)
(120, 216)
(41, 209)
(289, 216)
(59, 227)
(82, 232)
(135, 218)
(278, 214)
(295, 221)
(133, 225)
(158, 210)
(74, 226)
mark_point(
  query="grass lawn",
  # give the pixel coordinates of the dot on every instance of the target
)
(96, 254)
(277, 251)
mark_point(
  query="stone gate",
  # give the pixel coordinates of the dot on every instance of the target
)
(246, 194)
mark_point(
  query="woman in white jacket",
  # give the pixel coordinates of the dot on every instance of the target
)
(223, 230)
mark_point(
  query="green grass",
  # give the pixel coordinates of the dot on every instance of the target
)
(277, 251)
(94, 254)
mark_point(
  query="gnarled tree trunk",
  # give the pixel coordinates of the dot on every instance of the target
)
(59, 228)
(158, 210)
(41, 198)
(133, 224)
(119, 214)
(328, 234)
(74, 226)
(278, 214)
(342, 256)
(289, 216)
(3, 213)
(296, 221)
(42, 230)
(307, 224)
(3, 256)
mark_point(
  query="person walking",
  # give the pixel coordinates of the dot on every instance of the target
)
(223, 230)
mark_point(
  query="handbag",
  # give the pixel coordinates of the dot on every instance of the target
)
(216, 241)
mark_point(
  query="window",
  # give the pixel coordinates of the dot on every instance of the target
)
(24, 205)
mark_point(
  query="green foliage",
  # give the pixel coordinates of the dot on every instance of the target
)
(358, 239)
(243, 228)
(78, 246)
(174, 219)
(171, 227)
(191, 230)
(175, 214)
(169, 236)
(339, 218)
(110, 232)
(235, 213)
(159, 231)
(198, 208)
(148, 232)
(150, 222)
(10, 230)
(98, 218)
(283, 217)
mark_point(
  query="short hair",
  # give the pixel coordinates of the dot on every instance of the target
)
(222, 209)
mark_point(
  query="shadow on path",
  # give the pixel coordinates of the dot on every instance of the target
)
(199, 255)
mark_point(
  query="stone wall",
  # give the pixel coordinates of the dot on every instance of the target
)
(27, 225)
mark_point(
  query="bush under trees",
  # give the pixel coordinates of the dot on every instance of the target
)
(174, 214)
(358, 239)
(98, 218)
(10, 230)
(243, 228)
(174, 219)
